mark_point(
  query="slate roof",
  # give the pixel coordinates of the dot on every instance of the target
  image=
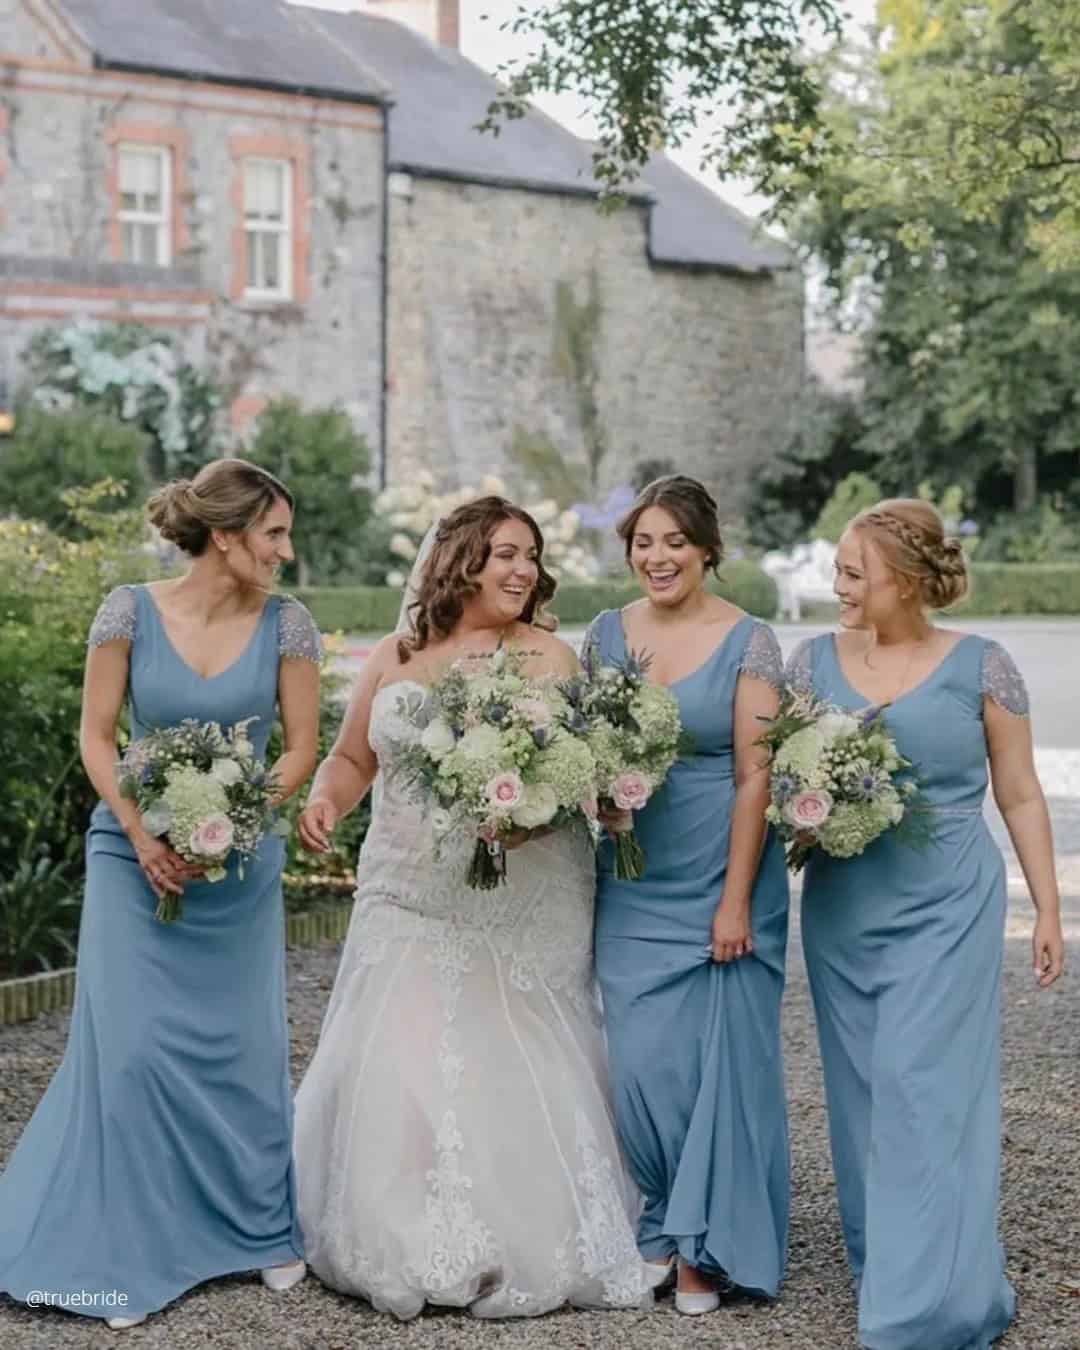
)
(436, 97)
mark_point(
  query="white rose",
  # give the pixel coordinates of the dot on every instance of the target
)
(226, 771)
(835, 725)
(157, 818)
(537, 807)
(437, 739)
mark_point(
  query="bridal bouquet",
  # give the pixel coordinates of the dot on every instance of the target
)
(203, 790)
(836, 780)
(636, 735)
(497, 753)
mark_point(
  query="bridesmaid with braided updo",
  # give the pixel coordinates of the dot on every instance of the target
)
(904, 945)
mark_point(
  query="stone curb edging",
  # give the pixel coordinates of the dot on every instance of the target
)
(53, 990)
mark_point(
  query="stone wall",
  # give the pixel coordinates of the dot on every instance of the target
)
(699, 367)
(59, 122)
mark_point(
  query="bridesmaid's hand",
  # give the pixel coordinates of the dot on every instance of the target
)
(731, 935)
(1048, 946)
(164, 869)
(316, 825)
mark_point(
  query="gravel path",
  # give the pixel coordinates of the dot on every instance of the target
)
(1040, 1210)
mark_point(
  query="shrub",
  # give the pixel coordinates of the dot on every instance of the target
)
(311, 877)
(135, 374)
(50, 588)
(53, 452)
(323, 460)
(352, 609)
(1023, 588)
(374, 609)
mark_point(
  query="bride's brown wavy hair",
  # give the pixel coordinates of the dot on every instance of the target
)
(459, 554)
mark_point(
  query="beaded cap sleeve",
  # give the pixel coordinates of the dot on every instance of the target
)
(1002, 681)
(298, 633)
(761, 657)
(799, 674)
(115, 618)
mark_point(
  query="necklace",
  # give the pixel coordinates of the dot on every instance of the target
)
(900, 684)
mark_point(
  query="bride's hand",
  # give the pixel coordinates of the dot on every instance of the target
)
(519, 837)
(316, 825)
(614, 820)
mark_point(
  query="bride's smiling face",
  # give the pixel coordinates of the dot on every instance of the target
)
(508, 578)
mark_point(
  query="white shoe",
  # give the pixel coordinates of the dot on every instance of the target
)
(657, 1274)
(122, 1323)
(693, 1305)
(280, 1278)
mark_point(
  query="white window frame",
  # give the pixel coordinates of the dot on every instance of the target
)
(161, 219)
(283, 230)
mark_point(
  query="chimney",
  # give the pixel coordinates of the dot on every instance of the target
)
(439, 20)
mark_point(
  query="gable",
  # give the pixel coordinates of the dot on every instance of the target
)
(32, 30)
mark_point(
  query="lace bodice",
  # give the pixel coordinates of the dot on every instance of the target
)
(540, 921)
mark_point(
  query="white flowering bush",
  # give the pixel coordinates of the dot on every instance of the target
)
(412, 508)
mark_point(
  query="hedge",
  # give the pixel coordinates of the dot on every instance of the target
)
(998, 589)
(1023, 588)
(374, 609)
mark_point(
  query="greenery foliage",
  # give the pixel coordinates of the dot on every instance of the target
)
(653, 71)
(850, 496)
(50, 588)
(324, 461)
(50, 453)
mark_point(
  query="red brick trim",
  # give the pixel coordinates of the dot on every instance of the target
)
(108, 316)
(74, 291)
(298, 154)
(178, 142)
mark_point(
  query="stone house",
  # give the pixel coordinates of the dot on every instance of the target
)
(301, 195)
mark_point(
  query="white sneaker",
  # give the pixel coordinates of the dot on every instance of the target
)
(122, 1323)
(693, 1305)
(280, 1278)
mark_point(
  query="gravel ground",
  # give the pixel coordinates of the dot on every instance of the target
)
(1040, 1209)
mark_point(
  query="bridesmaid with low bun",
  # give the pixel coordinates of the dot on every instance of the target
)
(904, 946)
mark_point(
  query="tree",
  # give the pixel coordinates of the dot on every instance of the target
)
(651, 71)
(982, 109)
(51, 453)
(971, 341)
(324, 461)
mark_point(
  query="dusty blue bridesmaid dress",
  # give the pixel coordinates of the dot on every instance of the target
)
(696, 1063)
(160, 1154)
(904, 951)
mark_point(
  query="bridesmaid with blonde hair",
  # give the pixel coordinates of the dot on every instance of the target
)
(904, 946)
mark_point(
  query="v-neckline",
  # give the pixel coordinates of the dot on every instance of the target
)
(206, 679)
(915, 688)
(697, 669)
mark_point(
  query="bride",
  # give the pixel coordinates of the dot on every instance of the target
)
(454, 1139)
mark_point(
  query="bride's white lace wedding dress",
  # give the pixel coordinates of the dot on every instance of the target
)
(454, 1139)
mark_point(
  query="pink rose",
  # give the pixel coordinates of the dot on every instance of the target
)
(212, 837)
(631, 790)
(809, 810)
(505, 791)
